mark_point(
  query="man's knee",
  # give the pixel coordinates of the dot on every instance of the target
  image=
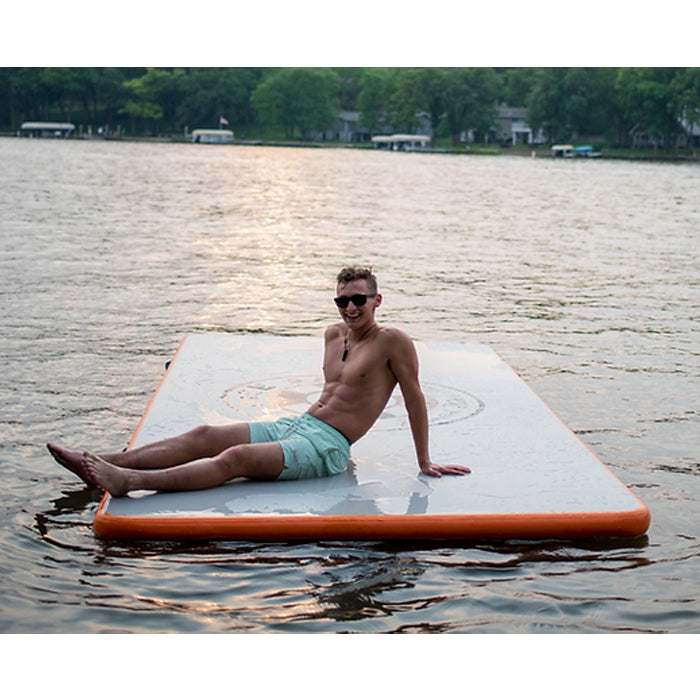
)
(200, 433)
(202, 436)
(214, 439)
(261, 461)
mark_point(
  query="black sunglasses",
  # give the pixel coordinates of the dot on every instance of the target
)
(357, 299)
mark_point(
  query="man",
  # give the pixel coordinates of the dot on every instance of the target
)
(362, 364)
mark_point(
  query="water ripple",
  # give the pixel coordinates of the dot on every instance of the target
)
(112, 252)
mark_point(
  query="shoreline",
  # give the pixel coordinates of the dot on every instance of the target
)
(521, 152)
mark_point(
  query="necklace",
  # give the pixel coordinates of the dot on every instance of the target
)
(347, 349)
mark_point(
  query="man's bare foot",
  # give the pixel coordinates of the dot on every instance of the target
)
(71, 460)
(111, 478)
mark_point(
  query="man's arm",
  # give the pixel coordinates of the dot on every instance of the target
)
(404, 365)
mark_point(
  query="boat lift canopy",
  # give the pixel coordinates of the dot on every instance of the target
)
(399, 142)
(47, 128)
(212, 136)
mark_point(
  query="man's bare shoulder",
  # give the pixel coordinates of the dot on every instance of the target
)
(397, 343)
(333, 331)
(395, 335)
(400, 353)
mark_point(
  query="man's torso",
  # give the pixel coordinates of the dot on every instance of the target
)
(356, 390)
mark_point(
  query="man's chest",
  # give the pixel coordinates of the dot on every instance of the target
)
(358, 366)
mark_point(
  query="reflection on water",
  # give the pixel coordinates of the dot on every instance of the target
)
(583, 275)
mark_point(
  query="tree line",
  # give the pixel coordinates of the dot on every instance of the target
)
(563, 103)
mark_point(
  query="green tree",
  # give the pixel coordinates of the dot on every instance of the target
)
(210, 93)
(418, 90)
(155, 96)
(376, 88)
(60, 85)
(456, 99)
(349, 86)
(686, 85)
(469, 97)
(298, 98)
(28, 95)
(18, 95)
(6, 99)
(567, 103)
(546, 107)
(517, 85)
(111, 95)
(652, 100)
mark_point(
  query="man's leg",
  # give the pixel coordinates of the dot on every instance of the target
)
(198, 443)
(260, 461)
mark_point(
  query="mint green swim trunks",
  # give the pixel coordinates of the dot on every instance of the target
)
(311, 447)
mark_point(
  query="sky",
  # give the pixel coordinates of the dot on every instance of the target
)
(360, 33)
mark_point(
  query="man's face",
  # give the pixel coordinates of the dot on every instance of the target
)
(356, 316)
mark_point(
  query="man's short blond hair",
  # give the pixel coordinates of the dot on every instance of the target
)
(350, 274)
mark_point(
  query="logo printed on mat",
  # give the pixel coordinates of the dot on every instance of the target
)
(274, 397)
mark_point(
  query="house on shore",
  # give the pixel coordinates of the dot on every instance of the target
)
(688, 136)
(511, 127)
(349, 128)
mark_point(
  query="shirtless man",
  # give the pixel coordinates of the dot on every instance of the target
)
(362, 364)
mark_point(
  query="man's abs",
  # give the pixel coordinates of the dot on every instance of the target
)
(351, 412)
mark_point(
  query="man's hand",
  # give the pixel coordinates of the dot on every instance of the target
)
(432, 469)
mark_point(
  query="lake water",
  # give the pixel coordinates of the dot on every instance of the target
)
(582, 274)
